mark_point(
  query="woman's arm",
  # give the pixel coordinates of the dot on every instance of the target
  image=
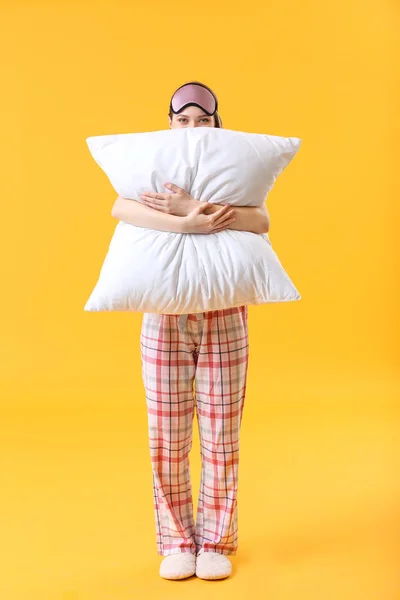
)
(136, 213)
(248, 218)
(178, 202)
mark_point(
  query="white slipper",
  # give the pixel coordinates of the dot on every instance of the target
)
(178, 566)
(213, 565)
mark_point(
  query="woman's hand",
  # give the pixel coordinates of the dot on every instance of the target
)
(177, 202)
(197, 222)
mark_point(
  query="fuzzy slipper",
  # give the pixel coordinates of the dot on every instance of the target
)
(213, 565)
(178, 566)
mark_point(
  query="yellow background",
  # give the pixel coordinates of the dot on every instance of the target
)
(319, 492)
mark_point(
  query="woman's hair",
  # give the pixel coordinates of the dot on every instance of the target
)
(218, 121)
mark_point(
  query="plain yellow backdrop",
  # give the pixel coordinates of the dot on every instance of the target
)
(319, 485)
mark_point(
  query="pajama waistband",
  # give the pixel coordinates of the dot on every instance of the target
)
(183, 318)
(182, 322)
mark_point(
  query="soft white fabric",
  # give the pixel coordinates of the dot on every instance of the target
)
(213, 565)
(178, 566)
(165, 272)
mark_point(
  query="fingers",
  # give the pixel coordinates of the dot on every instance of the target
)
(154, 196)
(224, 225)
(155, 206)
(215, 217)
(154, 200)
(221, 228)
(223, 208)
(225, 216)
(221, 212)
(201, 207)
(224, 222)
(173, 187)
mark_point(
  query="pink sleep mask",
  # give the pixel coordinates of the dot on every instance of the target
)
(193, 94)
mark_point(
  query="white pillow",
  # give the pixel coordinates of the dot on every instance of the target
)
(148, 270)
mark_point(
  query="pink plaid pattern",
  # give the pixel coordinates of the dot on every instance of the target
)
(203, 366)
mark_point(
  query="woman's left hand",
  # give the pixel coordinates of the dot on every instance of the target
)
(177, 202)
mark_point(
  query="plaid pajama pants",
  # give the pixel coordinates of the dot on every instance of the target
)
(202, 364)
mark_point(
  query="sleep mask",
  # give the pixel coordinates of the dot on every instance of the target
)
(193, 94)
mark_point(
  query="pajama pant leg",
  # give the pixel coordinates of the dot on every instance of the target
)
(168, 370)
(220, 386)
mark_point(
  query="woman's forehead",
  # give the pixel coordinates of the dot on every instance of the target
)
(192, 111)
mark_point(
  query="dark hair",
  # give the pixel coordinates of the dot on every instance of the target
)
(218, 121)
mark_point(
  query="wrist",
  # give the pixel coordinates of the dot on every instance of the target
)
(183, 225)
(210, 208)
(191, 205)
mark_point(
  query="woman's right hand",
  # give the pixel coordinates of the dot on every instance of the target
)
(197, 222)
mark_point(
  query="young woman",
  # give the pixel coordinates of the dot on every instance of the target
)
(200, 360)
